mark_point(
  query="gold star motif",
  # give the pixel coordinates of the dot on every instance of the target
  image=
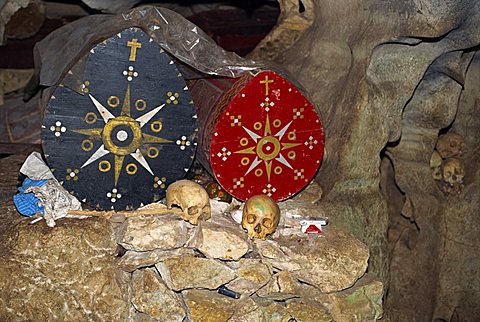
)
(268, 148)
(137, 137)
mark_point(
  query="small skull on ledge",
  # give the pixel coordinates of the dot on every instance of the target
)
(260, 216)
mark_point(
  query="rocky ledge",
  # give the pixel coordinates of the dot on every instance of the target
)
(161, 268)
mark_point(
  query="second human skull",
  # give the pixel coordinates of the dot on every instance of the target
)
(450, 145)
(260, 216)
(191, 198)
(453, 171)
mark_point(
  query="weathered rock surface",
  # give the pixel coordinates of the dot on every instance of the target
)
(45, 259)
(252, 275)
(362, 302)
(133, 260)
(331, 263)
(187, 272)
(20, 19)
(142, 317)
(208, 306)
(77, 271)
(65, 273)
(271, 310)
(152, 297)
(282, 286)
(247, 310)
(390, 92)
(154, 232)
(223, 242)
(304, 310)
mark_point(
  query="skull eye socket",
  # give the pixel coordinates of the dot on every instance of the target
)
(251, 218)
(267, 223)
(192, 211)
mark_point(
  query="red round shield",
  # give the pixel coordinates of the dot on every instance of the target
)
(269, 140)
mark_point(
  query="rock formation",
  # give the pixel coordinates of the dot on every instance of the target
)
(99, 269)
(389, 78)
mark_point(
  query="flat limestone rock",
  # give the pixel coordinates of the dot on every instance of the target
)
(217, 241)
(256, 309)
(247, 310)
(271, 253)
(142, 317)
(252, 275)
(66, 273)
(185, 272)
(204, 306)
(133, 260)
(303, 310)
(152, 297)
(331, 262)
(155, 232)
(282, 286)
(271, 311)
(362, 302)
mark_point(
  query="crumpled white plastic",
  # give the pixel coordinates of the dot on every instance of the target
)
(55, 200)
(53, 197)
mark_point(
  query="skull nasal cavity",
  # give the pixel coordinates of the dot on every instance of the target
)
(258, 228)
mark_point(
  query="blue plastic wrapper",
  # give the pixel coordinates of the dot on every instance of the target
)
(27, 204)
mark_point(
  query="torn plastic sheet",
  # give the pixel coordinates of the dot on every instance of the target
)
(111, 6)
(66, 48)
(55, 200)
(42, 194)
(26, 202)
(35, 168)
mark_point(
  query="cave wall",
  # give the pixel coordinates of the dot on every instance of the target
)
(388, 78)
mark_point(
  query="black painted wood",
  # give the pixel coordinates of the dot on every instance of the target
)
(130, 134)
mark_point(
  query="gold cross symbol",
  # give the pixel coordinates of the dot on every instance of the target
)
(134, 45)
(266, 81)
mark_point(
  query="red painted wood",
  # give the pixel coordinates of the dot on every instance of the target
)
(267, 140)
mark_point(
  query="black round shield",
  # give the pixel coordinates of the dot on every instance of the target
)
(130, 134)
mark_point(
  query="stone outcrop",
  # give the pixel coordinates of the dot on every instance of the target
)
(282, 286)
(152, 297)
(65, 273)
(80, 270)
(208, 306)
(332, 263)
(219, 241)
(144, 234)
(133, 260)
(389, 78)
(185, 272)
(252, 275)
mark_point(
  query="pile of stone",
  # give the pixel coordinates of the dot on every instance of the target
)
(162, 268)
(177, 268)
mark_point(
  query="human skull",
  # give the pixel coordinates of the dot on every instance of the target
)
(435, 164)
(437, 173)
(260, 216)
(453, 171)
(450, 145)
(191, 198)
